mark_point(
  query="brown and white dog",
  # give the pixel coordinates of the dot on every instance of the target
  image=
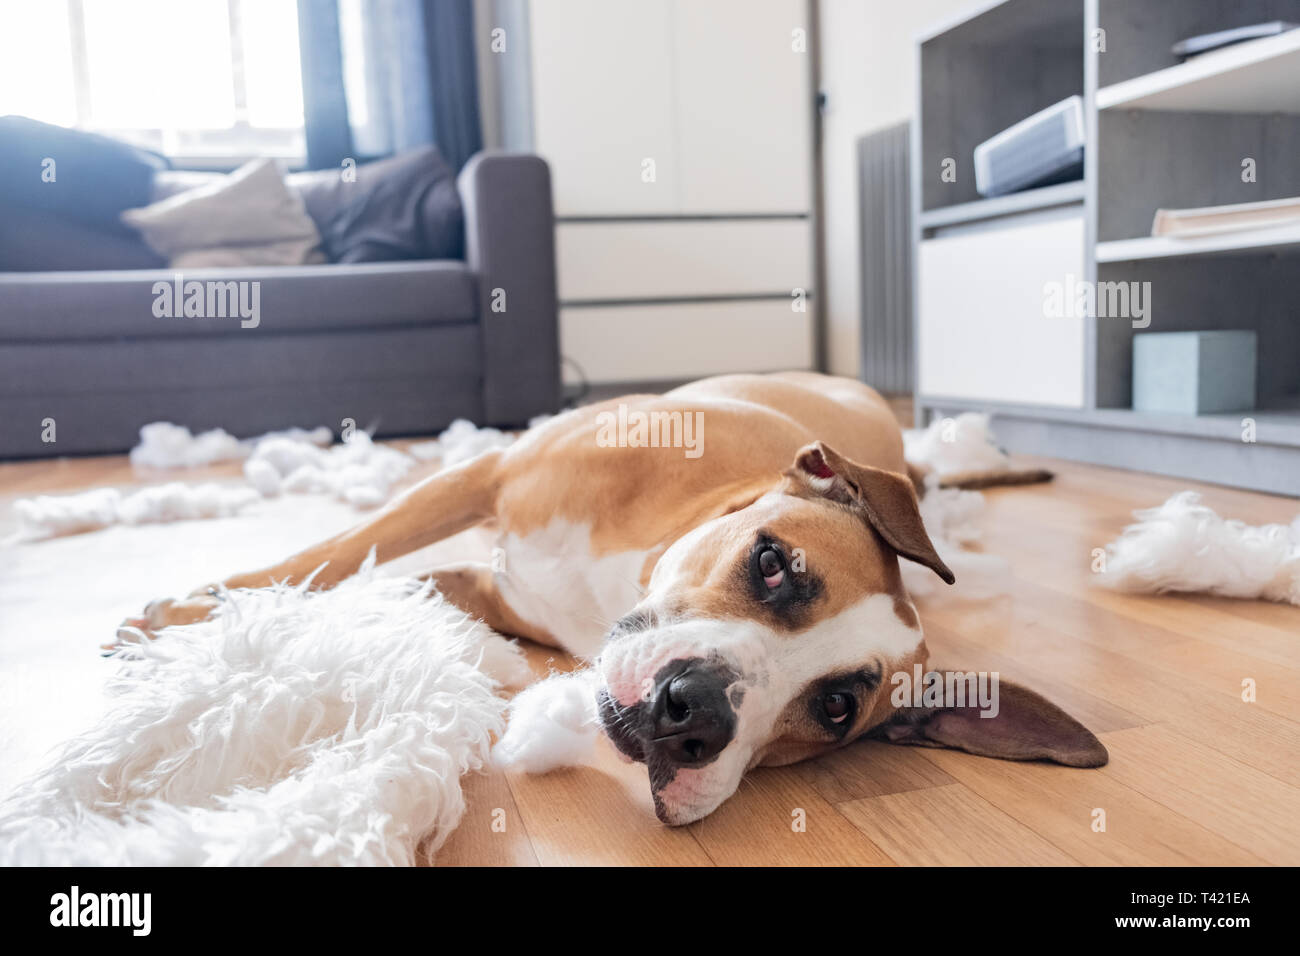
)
(741, 600)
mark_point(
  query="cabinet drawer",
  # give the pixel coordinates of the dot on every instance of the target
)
(648, 260)
(985, 328)
(649, 343)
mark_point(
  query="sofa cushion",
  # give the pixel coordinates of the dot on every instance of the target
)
(92, 179)
(403, 207)
(33, 241)
(400, 208)
(170, 182)
(64, 306)
(248, 218)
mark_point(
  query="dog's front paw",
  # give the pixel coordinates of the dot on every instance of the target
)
(553, 724)
(165, 613)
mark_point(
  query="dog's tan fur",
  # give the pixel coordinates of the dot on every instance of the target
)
(768, 443)
(635, 499)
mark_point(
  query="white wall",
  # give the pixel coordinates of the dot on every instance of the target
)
(868, 75)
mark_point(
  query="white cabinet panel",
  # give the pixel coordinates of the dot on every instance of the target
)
(984, 328)
(603, 104)
(646, 260)
(713, 91)
(743, 104)
(638, 343)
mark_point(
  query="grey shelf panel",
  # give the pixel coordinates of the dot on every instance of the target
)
(1204, 448)
(1062, 194)
(1170, 159)
(1275, 426)
(1261, 76)
(1284, 238)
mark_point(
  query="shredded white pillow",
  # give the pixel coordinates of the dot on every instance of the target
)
(49, 516)
(295, 728)
(954, 445)
(1184, 545)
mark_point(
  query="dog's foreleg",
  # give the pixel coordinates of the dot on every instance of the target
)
(438, 507)
(442, 505)
(472, 588)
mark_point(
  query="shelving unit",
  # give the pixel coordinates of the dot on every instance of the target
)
(1062, 194)
(1254, 77)
(1160, 134)
(1279, 239)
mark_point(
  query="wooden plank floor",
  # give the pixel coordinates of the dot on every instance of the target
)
(1197, 776)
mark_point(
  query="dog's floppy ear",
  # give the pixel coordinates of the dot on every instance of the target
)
(887, 500)
(1026, 727)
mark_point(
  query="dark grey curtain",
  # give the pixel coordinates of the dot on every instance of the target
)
(384, 76)
(449, 41)
(324, 99)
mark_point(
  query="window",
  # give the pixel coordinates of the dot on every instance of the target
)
(210, 82)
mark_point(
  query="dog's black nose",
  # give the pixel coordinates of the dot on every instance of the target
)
(692, 718)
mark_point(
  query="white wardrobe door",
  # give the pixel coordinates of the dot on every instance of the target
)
(603, 104)
(743, 103)
(987, 328)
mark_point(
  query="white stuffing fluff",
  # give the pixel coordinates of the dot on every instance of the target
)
(290, 462)
(177, 501)
(425, 450)
(462, 441)
(294, 460)
(320, 435)
(263, 476)
(552, 724)
(952, 520)
(298, 461)
(952, 516)
(357, 471)
(1184, 545)
(952, 445)
(164, 445)
(49, 516)
(296, 728)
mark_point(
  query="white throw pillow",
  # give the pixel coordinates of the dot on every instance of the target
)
(249, 218)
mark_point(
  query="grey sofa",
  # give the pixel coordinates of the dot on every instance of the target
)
(403, 347)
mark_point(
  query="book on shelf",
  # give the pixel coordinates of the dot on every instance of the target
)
(1209, 220)
(1206, 42)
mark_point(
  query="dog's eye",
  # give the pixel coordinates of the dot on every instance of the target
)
(772, 567)
(838, 707)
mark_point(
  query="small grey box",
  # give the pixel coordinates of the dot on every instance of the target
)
(1193, 373)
